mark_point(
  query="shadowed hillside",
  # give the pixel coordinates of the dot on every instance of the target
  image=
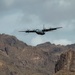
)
(18, 58)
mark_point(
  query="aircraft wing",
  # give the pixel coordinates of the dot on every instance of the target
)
(28, 31)
(51, 29)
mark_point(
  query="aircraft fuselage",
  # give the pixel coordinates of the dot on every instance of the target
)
(40, 33)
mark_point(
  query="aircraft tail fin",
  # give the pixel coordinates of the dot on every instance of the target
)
(43, 26)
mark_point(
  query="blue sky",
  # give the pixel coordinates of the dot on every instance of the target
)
(16, 15)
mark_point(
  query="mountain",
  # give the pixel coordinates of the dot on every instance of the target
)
(18, 58)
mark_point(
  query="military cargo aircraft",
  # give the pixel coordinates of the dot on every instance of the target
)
(41, 32)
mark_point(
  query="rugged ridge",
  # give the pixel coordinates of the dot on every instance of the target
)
(18, 58)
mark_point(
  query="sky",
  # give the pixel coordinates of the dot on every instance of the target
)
(17, 15)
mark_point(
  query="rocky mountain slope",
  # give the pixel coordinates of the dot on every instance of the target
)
(18, 58)
(66, 64)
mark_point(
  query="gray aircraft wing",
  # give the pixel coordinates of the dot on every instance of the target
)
(51, 29)
(28, 31)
